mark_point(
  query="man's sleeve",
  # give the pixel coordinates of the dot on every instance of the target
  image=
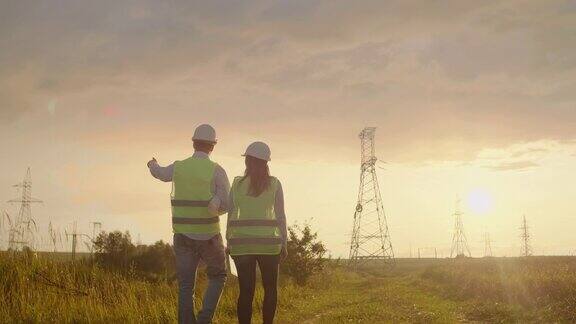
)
(162, 173)
(281, 214)
(231, 214)
(222, 189)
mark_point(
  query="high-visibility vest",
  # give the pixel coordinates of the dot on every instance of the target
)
(191, 194)
(252, 224)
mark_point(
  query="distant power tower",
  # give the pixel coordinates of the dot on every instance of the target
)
(55, 237)
(5, 218)
(22, 230)
(96, 230)
(526, 249)
(487, 245)
(77, 237)
(459, 242)
(370, 237)
(427, 251)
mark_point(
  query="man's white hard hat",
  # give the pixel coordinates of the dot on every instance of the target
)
(258, 150)
(205, 133)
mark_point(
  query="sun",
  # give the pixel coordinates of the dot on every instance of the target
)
(480, 201)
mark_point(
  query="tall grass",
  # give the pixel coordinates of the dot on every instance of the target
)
(541, 288)
(40, 290)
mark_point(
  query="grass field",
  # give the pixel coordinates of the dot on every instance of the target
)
(538, 289)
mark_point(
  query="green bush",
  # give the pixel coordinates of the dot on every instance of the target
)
(305, 254)
(157, 259)
(116, 250)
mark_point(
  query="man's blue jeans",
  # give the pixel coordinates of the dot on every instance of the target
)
(189, 252)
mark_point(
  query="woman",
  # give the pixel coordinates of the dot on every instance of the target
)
(256, 231)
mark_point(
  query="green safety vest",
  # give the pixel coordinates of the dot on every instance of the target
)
(252, 224)
(191, 194)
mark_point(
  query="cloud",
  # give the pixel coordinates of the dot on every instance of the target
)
(442, 80)
(529, 151)
(514, 166)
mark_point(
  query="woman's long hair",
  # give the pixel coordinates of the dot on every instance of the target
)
(259, 174)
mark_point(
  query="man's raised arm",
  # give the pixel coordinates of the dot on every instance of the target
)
(159, 172)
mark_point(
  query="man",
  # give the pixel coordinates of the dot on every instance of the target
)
(200, 190)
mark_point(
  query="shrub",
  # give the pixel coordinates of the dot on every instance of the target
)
(305, 254)
(157, 258)
(115, 250)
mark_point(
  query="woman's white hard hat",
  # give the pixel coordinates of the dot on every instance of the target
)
(258, 150)
(205, 133)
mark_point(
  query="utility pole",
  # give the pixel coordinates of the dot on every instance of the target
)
(370, 236)
(487, 245)
(525, 236)
(21, 233)
(5, 218)
(54, 237)
(427, 252)
(459, 242)
(74, 236)
(96, 230)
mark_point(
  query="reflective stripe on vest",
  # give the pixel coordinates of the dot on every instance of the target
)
(253, 222)
(252, 225)
(255, 240)
(191, 194)
(190, 203)
(185, 220)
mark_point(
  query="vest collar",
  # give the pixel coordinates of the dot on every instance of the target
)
(200, 155)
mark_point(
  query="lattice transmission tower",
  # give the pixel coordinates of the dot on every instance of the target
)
(459, 242)
(370, 237)
(22, 231)
(487, 245)
(526, 249)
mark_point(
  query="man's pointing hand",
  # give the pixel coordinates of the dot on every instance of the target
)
(153, 161)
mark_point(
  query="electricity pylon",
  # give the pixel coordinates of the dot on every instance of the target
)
(526, 249)
(459, 242)
(96, 230)
(22, 231)
(370, 237)
(76, 237)
(487, 245)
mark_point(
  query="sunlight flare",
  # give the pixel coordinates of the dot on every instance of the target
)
(480, 201)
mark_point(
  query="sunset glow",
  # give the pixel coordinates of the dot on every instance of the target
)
(468, 99)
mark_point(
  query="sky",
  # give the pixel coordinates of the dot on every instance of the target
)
(471, 99)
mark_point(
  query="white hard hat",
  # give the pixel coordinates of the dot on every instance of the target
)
(258, 150)
(205, 133)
